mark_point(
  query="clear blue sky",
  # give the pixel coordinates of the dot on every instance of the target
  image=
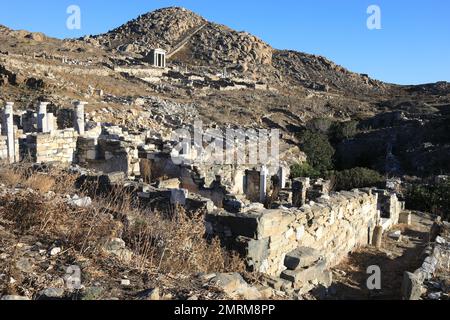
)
(412, 47)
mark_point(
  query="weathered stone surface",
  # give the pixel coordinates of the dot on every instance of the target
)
(377, 236)
(51, 293)
(411, 287)
(301, 257)
(235, 286)
(150, 294)
(255, 251)
(405, 218)
(80, 202)
(118, 248)
(302, 276)
(25, 265)
(333, 227)
(396, 235)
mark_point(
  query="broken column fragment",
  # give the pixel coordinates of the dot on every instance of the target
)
(79, 117)
(50, 122)
(8, 130)
(299, 188)
(263, 184)
(42, 117)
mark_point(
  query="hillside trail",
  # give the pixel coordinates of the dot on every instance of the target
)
(394, 258)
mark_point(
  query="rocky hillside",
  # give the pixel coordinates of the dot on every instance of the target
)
(176, 28)
(262, 85)
(158, 29)
(190, 39)
(318, 73)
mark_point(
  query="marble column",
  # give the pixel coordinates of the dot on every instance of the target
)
(282, 175)
(263, 184)
(299, 190)
(8, 129)
(79, 117)
(50, 122)
(42, 117)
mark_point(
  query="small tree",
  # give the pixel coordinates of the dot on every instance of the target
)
(430, 198)
(343, 130)
(303, 170)
(318, 150)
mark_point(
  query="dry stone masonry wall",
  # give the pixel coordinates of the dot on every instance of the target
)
(334, 226)
(58, 146)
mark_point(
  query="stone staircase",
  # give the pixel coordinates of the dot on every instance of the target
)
(306, 269)
(180, 45)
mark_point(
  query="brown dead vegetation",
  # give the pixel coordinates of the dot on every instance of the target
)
(162, 243)
(40, 182)
(10, 177)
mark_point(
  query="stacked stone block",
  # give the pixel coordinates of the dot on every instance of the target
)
(334, 226)
(58, 146)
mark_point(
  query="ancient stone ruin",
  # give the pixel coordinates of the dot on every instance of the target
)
(293, 231)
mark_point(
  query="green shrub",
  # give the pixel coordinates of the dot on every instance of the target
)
(430, 198)
(303, 170)
(318, 150)
(343, 130)
(358, 178)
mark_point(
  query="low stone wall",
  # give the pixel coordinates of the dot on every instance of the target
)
(436, 262)
(110, 149)
(333, 225)
(58, 146)
(108, 155)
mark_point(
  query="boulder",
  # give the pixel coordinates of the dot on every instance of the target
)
(396, 235)
(51, 293)
(24, 265)
(301, 257)
(150, 294)
(117, 247)
(235, 286)
(411, 287)
(76, 201)
(305, 275)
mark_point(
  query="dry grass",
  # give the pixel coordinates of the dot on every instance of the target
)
(51, 179)
(178, 245)
(167, 243)
(10, 177)
(40, 182)
(52, 219)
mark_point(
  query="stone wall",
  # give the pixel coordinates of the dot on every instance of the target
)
(390, 208)
(110, 150)
(58, 146)
(435, 266)
(108, 155)
(333, 225)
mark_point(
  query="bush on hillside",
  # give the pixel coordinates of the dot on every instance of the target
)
(358, 178)
(318, 150)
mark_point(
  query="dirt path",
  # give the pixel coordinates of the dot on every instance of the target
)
(393, 258)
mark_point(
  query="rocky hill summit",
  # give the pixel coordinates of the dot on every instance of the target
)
(222, 71)
(192, 40)
(199, 42)
(158, 29)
